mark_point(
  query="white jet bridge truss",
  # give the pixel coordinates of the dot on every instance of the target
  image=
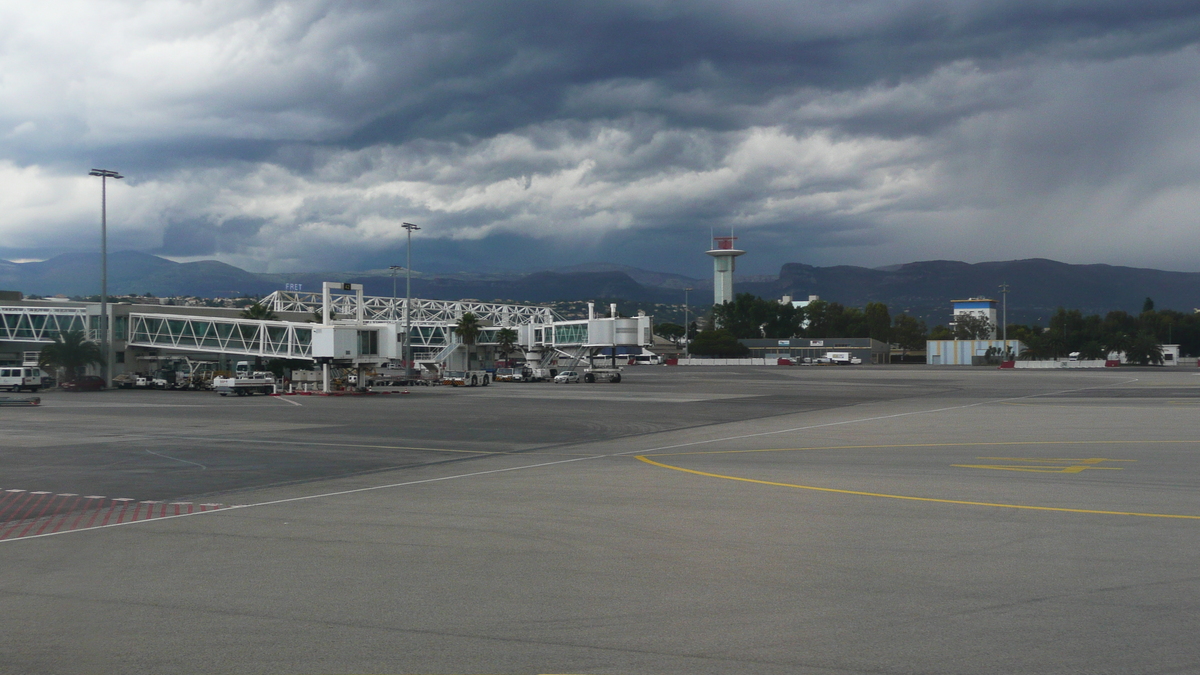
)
(543, 336)
(39, 324)
(424, 312)
(219, 335)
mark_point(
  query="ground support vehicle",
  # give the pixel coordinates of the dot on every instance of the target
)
(17, 378)
(466, 378)
(256, 383)
(516, 374)
(124, 380)
(602, 375)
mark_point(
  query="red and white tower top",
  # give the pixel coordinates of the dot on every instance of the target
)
(724, 255)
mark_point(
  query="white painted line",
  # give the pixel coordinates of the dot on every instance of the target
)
(159, 454)
(288, 400)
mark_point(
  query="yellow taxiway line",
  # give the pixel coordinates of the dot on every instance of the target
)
(960, 502)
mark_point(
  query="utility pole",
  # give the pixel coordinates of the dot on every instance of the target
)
(686, 325)
(1004, 319)
(105, 343)
(394, 269)
(407, 304)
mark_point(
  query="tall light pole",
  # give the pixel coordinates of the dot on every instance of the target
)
(686, 325)
(1004, 318)
(407, 304)
(105, 345)
(394, 269)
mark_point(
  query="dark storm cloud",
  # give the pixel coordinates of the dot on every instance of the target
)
(826, 131)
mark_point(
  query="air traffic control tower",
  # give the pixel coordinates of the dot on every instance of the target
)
(724, 264)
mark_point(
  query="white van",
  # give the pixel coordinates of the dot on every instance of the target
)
(14, 378)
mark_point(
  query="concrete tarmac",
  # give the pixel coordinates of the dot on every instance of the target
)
(706, 520)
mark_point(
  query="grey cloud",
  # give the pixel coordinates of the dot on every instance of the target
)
(872, 132)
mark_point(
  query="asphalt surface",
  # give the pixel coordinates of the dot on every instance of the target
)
(715, 520)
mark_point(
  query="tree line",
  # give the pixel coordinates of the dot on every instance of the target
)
(1139, 336)
(1093, 336)
(748, 317)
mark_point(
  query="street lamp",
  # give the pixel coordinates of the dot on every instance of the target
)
(394, 269)
(105, 345)
(1004, 319)
(686, 325)
(407, 303)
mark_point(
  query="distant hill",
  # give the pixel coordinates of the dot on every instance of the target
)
(131, 272)
(1037, 287)
(924, 289)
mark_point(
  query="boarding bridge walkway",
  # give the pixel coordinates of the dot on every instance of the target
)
(542, 334)
(39, 324)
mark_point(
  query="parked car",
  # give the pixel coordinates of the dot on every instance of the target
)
(567, 377)
(85, 383)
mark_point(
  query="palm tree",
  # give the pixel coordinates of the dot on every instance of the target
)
(259, 312)
(506, 341)
(70, 351)
(468, 329)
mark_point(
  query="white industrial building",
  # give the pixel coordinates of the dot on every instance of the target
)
(968, 352)
(984, 308)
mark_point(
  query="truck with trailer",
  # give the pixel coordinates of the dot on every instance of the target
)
(245, 384)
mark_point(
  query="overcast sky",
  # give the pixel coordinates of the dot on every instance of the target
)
(290, 136)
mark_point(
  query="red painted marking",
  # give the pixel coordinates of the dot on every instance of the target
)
(9, 495)
(49, 501)
(19, 517)
(16, 505)
(75, 525)
(38, 512)
(107, 514)
(67, 515)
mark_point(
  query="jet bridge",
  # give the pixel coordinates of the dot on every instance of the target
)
(347, 328)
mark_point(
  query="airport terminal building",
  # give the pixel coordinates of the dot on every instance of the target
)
(867, 349)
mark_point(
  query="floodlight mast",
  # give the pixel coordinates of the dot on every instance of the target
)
(105, 343)
(407, 303)
(394, 269)
(687, 352)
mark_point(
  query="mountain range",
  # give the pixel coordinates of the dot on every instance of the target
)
(924, 289)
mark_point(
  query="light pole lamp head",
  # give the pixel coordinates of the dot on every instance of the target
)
(410, 227)
(105, 173)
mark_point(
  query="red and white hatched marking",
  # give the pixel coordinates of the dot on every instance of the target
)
(25, 513)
